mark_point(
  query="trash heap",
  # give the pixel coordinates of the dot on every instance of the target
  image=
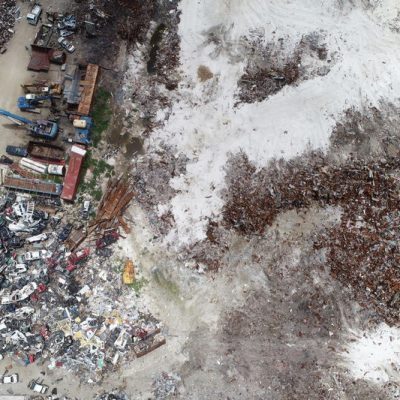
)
(70, 309)
(362, 251)
(8, 12)
(114, 395)
(166, 386)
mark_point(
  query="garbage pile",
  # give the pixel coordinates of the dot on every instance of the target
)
(272, 66)
(8, 11)
(114, 395)
(362, 251)
(166, 386)
(67, 308)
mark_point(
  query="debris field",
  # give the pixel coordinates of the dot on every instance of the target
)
(362, 250)
(8, 13)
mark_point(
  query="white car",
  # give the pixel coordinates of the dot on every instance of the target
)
(37, 255)
(17, 269)
(21, 227)
(66, 45)
(21, 313)
(37, 238)
(9, 378)
(27, 290)
(37, 387)
(18, 295)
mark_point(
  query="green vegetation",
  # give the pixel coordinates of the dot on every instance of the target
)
(99, 169)
(171, 287)
(53, 178)
(101, 114)
(138, 285)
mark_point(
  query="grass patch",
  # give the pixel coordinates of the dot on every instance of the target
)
(171, 287)
(101, 114)
(138, 285)
(54, 178)
(99, 169)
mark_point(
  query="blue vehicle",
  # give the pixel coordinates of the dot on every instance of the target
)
(41, 128)
(82, 135)
(17, 151)
(83, 127)
(31, 101)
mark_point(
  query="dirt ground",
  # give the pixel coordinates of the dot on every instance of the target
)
(14, 73)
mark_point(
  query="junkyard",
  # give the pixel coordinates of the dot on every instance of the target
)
(199, 200)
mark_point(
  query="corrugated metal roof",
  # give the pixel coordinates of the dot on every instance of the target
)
(71, 179)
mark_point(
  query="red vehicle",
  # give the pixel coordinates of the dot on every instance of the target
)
(75, 259)
(108, 238)
(44, 332)
(79, 256)
(41, 288)
(71, 267)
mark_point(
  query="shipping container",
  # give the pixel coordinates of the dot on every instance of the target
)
(71, 179)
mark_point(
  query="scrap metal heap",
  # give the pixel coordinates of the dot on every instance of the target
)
(362, 250)
(113, 204)
(8, 12)
(69, 309)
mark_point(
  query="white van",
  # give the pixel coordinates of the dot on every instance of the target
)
(34, 15)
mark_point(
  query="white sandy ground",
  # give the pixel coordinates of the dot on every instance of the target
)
(205, 125)
(375, 355)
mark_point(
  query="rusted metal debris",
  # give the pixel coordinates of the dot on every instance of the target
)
(112, 206)
(362, 251)
(14, 167)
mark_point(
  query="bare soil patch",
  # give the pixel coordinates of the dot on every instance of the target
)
(204, 73)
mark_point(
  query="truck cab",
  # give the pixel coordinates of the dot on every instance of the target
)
(34, 15)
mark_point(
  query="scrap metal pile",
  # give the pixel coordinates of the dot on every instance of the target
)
(70, 309)
(362, 250)
(8, 12)
(112, 205)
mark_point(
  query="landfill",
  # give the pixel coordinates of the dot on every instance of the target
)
(362, 251)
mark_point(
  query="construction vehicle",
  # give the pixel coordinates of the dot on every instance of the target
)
(42, 88)
(31, 101)
(41, 128)
(83, 127)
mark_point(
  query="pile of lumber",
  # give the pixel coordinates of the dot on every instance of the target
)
(112, 206)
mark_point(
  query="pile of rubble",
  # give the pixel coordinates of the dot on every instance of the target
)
(271, 67)
(148, 179)
(68, 308)
(163, 58)
(166, 386)
(362, 251)
(114, 395)
(8, 13)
